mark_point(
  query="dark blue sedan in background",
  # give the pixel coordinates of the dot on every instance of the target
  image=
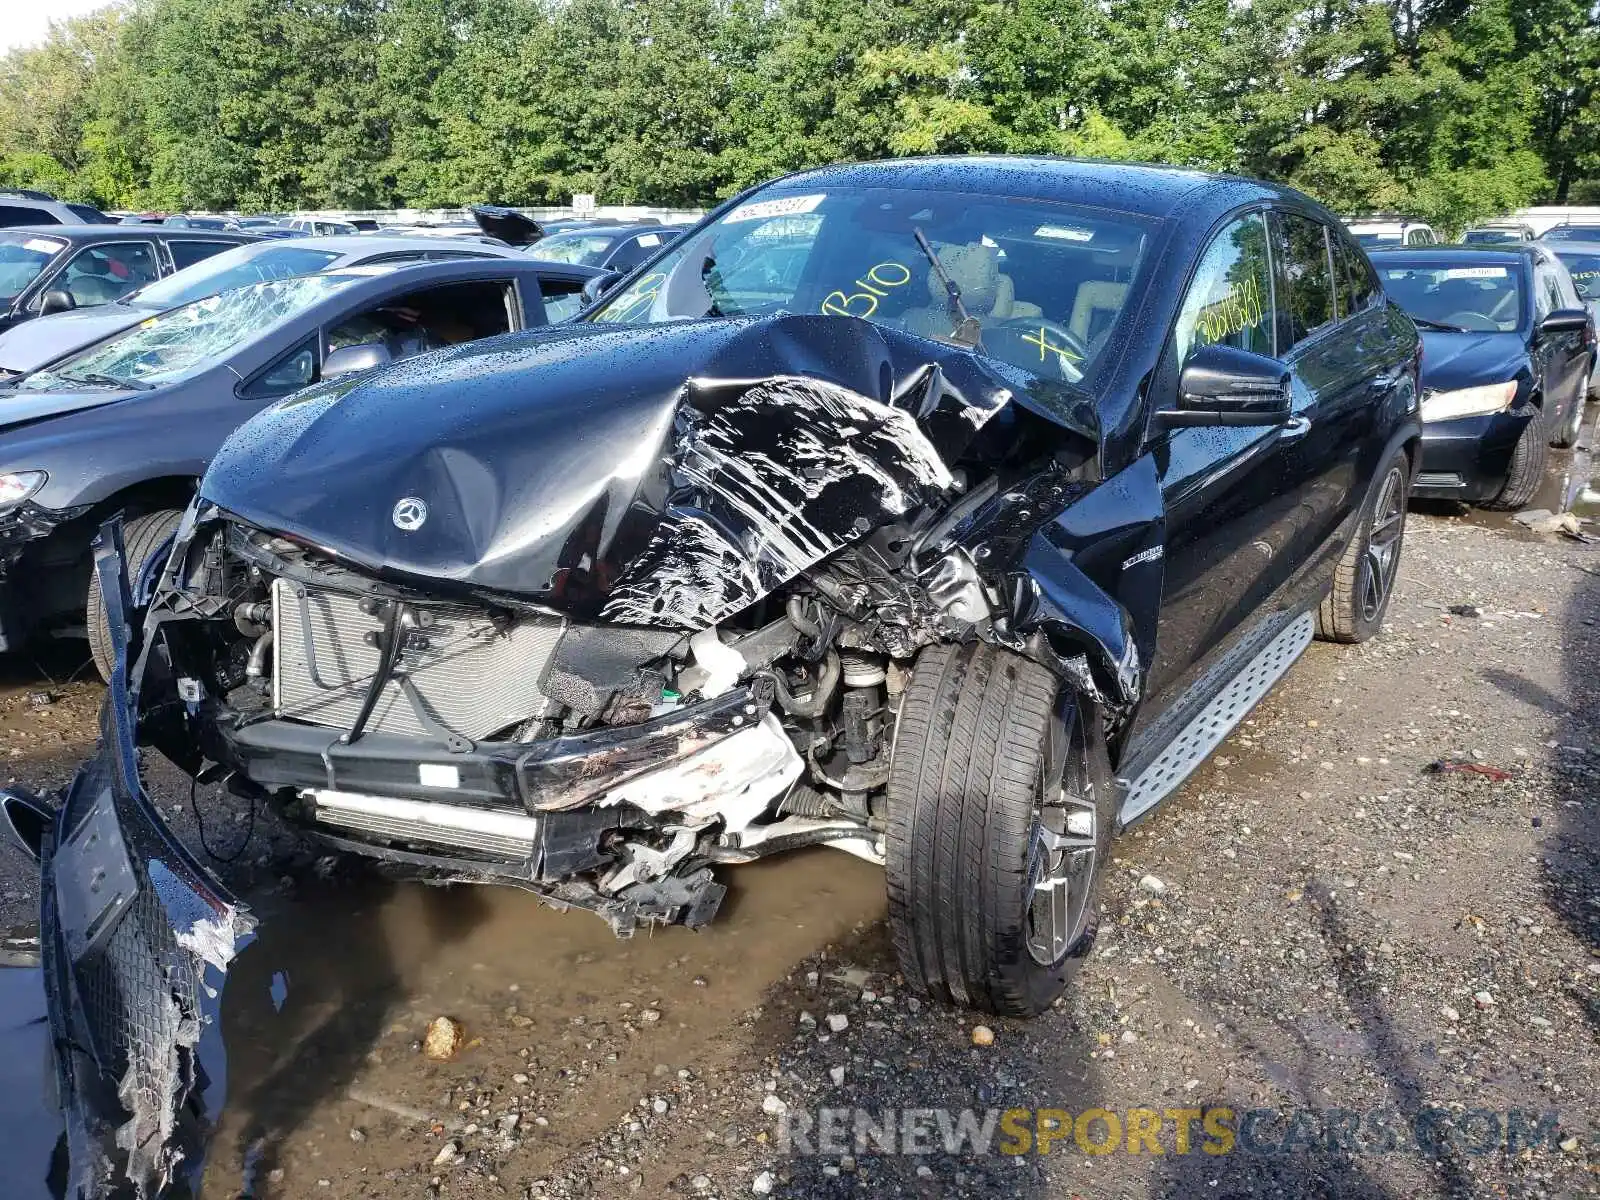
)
(1508, 348)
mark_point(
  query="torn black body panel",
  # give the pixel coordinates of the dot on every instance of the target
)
(136, 937)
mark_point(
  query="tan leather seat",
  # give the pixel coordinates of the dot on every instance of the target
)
(986, 294)
(1095, 296)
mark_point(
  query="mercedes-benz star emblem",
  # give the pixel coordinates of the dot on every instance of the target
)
(410, 513)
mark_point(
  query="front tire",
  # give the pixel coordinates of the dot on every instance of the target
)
(1000, 815)
(1527, 469)
(141, 538)
(1355, 605)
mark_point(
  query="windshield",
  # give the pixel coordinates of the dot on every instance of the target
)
(254, 263)
(586, 249)
(188, 339)
(22, 257)
(1465, 297)
(1489, 236)
(1034, 284)
(1573, 233)
(1585, 270)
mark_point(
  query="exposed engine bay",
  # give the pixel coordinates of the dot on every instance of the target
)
(709, 676)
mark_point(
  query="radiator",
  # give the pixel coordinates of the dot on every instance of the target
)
(472, 678)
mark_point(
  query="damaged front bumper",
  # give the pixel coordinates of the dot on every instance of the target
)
(136, 938)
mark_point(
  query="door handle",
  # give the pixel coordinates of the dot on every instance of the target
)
(1294, 428)
(1382, 383)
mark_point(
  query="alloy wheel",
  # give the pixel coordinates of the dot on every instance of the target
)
(1065, 852)
(1382, 559)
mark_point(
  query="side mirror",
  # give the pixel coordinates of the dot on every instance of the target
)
(57, 300)
(599, 285)
(25, 819)
(1223, 385)
(347, 360)
(1563, 320)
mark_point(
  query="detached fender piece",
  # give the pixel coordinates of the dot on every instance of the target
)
(136, 938)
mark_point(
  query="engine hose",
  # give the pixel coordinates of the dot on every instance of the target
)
(796, 611)
(815, 704)
(257, 666)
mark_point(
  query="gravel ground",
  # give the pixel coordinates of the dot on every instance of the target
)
(1316, 926)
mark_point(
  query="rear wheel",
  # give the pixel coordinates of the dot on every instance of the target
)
(1526, 471)
(141, 538)
(1000, 813)
(1364, 579)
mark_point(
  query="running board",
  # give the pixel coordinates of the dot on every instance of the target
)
(1177, 759)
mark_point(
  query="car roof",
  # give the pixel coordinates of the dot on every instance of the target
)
(363, 244)
(1147, 190)
(89, 234)
(1499, 253)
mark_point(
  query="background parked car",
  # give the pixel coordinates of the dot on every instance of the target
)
(1571, 233)
(1507, 352)
(1497, 233)
(129, 423)
(1397, 232)
(319, 226)
(32, 345)
(25, 207)
(613, 247)
(184, 221)
(1582, 260)
(53, 269)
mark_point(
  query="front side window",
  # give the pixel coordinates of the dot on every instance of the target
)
(23, 258)
(1230, 300)
(101, 274)
(1305, 278)
(186, 340)
(1456, 296)
(1047, 284)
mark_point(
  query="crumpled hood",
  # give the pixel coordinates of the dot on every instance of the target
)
(662, 476)
(1460, 360)
(32, 344)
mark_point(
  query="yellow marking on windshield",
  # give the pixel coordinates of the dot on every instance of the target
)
(1046, 345)
(882, 276)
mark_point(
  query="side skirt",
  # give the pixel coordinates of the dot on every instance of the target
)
(1220, 699)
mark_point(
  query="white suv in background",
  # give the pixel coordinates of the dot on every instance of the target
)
(1398, 232)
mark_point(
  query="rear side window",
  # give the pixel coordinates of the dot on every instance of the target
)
(1305, 290)
(12, 215)
(1230, 300)
(186, 254)
(1358, 284)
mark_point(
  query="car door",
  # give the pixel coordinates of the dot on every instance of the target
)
(1230, 492)
(1559, 357)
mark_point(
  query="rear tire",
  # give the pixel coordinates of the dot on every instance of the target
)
(1000, 815)
(1355, 605)
(1527, 469)
(141, 538)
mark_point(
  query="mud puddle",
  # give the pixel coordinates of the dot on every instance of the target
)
(567, 1027)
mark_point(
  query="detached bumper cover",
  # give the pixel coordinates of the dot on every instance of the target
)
(1467, 458)
(136, 938)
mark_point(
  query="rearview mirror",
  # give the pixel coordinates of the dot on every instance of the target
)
(599, 285)
(1223, 385)
(347, 360)
(1563, 320)
(57, 300)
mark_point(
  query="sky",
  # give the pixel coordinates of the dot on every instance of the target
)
(25, 22)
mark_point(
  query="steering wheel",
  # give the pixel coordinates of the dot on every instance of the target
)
(1041, 345)
(1474, 322)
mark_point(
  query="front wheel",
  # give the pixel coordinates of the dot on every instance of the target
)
(1527, 469)
(1000, 815)
(141, 538)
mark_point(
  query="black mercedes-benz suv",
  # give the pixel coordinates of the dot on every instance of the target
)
(945, 511)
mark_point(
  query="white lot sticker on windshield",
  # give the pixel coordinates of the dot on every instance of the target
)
(781, 206)
(42, 245)
(649, 239)
(1064, 233)
(1475, 273)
